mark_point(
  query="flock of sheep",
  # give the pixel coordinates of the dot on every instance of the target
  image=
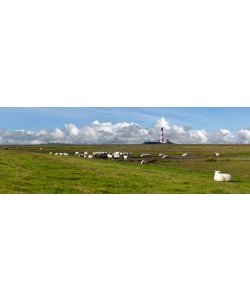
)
(108, 155)
(218, 176)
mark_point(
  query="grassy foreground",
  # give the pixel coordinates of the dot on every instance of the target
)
(29, 169)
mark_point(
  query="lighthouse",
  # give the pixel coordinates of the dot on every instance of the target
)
(160, 140)
(162, 136)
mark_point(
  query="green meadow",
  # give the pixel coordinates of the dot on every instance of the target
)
(31, 170)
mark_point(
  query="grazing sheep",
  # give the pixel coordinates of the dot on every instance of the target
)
(90, 156)
(123, 153)
(164, 156)
(184, 155)
(116, 155)
(217, 154)
(95, 154)
(60, 153)
(56, 153)
(103, 155)
(110, 156)
(85, 153)
(143, 162)
(218, 176)
(66, 154)
(77, 153)
(125, 157)
(50, 153)
(161, 154)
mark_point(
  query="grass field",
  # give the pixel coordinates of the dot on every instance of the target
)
(27, 169)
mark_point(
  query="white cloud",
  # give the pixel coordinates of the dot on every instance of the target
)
(102, 133)
(57, 134)
(71, 129)
(244, 136)
(162, 123)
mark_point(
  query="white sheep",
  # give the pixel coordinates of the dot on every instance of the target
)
(66, 154)
(184, 155)
(217, 154)
(96, 154)
(77, 153)
(125, 157)
(110, 156)
(143, 162)
(161, 154)
(56, 153)
(164, 156)
(90, 156)
(218, 176)
(116, 155)
(50, 153)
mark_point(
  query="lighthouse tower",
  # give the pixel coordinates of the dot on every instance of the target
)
(162, 136)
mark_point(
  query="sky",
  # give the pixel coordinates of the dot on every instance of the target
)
(34, 125)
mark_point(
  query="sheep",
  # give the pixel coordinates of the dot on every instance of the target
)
(60, 153)
(218, 176)
(125, 157)
(143, 162)
(116, 155)
(100, 154)
(85, 153)
(110, 156)
(164, 156)
(90, 156)
(50, 153)
(184, 155)
(56, 153)
(217, 154)
(145, 155)
(123, 153)
(95, 154)
(77, 153)
(161, 154)
(66, 154)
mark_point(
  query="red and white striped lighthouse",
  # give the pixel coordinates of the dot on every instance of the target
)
(162, 136)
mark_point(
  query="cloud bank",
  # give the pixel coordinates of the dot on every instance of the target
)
(129, 133)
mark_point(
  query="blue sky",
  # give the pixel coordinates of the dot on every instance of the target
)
(230, 118)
